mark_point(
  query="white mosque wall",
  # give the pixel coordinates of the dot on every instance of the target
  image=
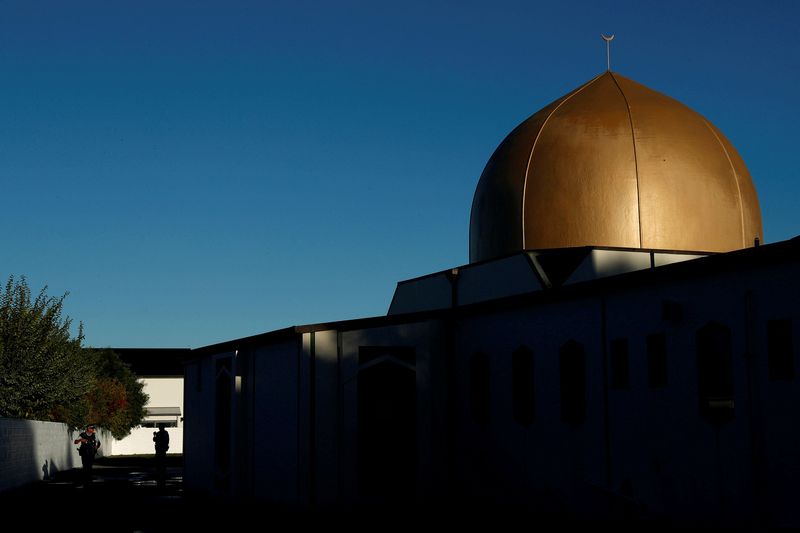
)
(663, 452)
(604, 263)
(496, 279)
(326, 416)
(292, 444)
(662, 259)
(776, 438)
(427, 341)
(305, 442)
(198, 449)
(771, 294)
(503, 461)
(422, 294)
(276, 454)
(517, 274)
(639, 446)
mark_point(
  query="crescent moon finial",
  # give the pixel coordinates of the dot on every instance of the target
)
(608, 39)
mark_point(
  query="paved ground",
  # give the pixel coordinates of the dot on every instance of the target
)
(123, 496)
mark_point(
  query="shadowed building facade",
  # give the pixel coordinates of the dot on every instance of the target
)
(616, 342)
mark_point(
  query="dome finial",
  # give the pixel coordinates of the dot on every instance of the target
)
(608, 40)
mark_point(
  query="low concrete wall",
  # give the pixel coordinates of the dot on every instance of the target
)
(140, 442)
(31, 450)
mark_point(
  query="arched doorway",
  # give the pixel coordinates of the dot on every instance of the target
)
(387, 425)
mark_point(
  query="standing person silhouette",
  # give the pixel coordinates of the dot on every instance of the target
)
(161, 438)
(88, 449)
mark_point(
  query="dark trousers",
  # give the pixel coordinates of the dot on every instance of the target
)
(161, 468)
(88, 460)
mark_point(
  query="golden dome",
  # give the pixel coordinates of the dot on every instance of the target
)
(614, 163)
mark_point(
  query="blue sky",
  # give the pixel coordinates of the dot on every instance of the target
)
(193, 172)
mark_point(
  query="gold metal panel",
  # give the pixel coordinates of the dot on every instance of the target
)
(495, 220)
(751, 210)
(614, 163)
(689, 194)
(581, 182)
(495, 227)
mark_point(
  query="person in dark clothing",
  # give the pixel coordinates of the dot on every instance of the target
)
(88, 449)
(161, 438)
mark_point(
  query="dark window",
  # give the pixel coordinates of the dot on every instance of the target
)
(166, 424)
(222, 428)
(657, 374)
(522, 387)
(780, 349)
(479, 388)
(573, 382)
(715, 373)
(620, 372)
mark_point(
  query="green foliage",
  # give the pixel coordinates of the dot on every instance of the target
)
(116, 401)
(42, 368)
(45, 373)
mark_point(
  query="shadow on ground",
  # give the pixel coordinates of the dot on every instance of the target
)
(125, 496)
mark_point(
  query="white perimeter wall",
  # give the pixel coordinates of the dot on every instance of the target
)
(31, 450)
(198, 454)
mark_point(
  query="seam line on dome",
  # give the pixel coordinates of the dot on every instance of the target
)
(735, 177)
(533, 148)
(635, 158)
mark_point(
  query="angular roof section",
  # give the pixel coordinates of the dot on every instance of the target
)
(780, 252)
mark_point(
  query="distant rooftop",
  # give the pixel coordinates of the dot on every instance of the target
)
(155, 361)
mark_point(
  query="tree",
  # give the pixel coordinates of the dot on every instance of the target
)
(116, 400)
(45, 373)
(42, 367)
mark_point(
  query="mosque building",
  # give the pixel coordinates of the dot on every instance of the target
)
(620, 338)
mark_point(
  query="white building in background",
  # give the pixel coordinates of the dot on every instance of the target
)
(619, 344)
(161, 371)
